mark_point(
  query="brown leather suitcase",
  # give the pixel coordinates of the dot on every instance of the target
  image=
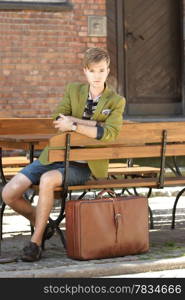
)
(107, 227)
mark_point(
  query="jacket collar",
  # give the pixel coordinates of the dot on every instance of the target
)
(83, 98)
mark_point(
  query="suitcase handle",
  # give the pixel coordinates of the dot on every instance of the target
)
(112, 193)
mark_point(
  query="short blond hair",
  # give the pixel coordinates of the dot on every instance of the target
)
(95, 55)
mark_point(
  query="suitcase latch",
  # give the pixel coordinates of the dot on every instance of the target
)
(117, 216)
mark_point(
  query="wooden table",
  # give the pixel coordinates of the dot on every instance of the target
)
(24, 142)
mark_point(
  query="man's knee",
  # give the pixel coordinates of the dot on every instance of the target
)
(9, 193)
(50, 180)
(15, 188)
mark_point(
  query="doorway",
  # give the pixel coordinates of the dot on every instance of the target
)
(149, 56)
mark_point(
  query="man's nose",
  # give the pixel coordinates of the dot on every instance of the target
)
(97, 76)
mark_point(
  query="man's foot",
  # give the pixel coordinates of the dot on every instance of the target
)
(31, 252)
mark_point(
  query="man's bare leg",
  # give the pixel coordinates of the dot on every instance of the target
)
(12, 195)
(48, 182)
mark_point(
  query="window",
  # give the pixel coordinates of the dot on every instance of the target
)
(36, 4)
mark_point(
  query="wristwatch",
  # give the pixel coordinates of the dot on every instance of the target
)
(74, 126)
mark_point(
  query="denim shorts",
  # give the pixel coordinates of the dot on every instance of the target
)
(77, 174)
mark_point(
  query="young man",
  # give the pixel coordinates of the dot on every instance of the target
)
(90, 109)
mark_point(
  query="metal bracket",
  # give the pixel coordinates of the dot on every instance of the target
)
(66, 162)
(163, 158)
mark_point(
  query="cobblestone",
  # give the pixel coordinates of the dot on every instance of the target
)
(166, 251)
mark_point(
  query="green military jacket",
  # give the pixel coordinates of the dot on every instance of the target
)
(109, 110)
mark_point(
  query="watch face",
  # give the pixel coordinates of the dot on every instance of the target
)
(74, 126)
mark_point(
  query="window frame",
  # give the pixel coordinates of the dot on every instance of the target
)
(46, 5)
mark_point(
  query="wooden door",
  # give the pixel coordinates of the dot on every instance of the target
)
(152, 57)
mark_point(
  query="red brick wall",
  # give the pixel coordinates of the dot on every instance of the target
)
(40, 52)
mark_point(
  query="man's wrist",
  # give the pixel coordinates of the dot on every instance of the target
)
(74, 126)
(98, 124)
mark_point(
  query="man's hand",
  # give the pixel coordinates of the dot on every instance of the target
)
(64, 123)
(91, 123)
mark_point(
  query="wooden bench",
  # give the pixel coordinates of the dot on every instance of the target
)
(136, 140)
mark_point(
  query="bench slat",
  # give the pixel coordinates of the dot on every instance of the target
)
(9, 172)
(133, 170)
(118, 165)
(15, 161)
(117, 153)
(110, 183)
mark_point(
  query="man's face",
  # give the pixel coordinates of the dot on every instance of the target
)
(97, 73)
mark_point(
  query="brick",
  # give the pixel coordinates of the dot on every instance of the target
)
(40, 53)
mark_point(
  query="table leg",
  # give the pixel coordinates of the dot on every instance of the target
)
(2, 177)
(2, 204)
(31, 152)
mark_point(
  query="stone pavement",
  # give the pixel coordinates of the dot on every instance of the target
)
(167, 249)
(174, 273)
